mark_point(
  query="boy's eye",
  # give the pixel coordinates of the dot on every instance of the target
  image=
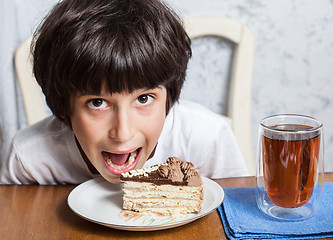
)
(97, 103)
(144, 99)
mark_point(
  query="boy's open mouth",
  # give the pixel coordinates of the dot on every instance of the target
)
(119, 163)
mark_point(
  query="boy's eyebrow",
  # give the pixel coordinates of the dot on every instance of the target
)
(84, 94)
(147, 89)
(81, 94)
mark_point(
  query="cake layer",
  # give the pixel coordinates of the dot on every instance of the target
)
(166, 211)
(152, 175)
(138, 187)
(174, 172)
(171, 188)
(161, 194)
(156, 202)
(165, 199)
(167, 206)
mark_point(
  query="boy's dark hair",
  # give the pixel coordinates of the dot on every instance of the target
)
(125, 44)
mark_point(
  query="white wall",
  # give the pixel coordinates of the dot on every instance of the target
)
(293, 59)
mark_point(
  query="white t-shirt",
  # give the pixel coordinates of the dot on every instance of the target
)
(46, 152)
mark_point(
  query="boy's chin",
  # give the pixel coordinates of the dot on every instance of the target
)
(114, 179)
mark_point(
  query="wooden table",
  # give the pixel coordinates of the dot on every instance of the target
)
(41, 212)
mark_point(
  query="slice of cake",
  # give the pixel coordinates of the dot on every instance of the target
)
(171, 188)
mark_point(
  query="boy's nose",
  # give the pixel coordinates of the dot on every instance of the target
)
(121, 126)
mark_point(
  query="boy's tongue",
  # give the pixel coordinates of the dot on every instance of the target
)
(118, 159)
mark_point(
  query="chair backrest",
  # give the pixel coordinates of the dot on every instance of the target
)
(241, 73)
(33, 100)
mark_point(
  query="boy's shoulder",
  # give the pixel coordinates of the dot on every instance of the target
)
(191, 112)
(188, 120)
(48, 127)
(40, 152)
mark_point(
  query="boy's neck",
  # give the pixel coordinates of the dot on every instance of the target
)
(92, 169)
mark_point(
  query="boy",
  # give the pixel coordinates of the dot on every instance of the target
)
(112, 72)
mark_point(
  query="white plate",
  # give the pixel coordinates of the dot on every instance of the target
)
(101, 202)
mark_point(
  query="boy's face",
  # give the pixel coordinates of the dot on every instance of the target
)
(118, 132)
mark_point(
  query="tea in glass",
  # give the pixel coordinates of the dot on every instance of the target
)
(290, 168)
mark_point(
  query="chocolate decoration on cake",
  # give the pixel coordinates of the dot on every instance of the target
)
(171, 188)
(174, 172)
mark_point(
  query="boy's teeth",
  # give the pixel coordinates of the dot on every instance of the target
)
(130, 160)
(134, 154)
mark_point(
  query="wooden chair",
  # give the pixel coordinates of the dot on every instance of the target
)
(239, 95)
(32, 96)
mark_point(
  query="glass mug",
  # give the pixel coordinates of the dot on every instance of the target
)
(290, 166)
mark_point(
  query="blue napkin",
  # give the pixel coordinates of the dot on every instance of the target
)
(242, 219)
